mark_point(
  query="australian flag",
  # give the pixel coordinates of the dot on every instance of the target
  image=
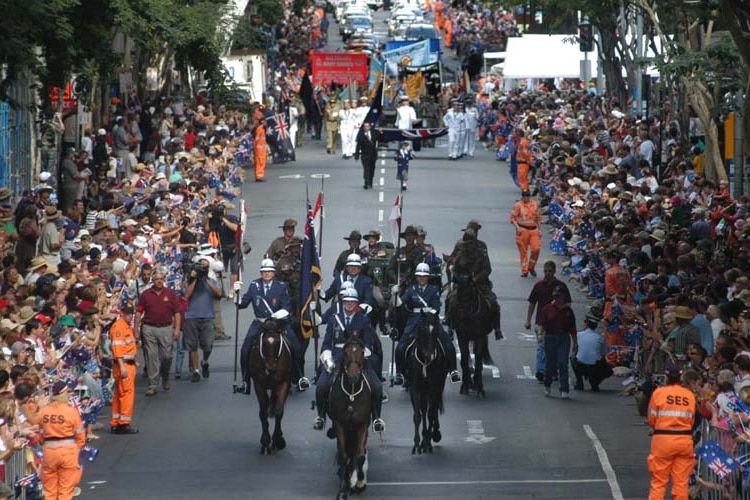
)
(717, 459)
(397, 134)
(88, 453)
(31, 481)
(277, 135)
(559, 244)
(376, 109)
(311, 274)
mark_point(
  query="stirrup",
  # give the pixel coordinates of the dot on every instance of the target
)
(319, 423)
(455, 377)
(303, 384)
(398, 379)
(378, 425)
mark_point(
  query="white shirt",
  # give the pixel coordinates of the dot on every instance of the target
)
(405, 117)
(471, 115)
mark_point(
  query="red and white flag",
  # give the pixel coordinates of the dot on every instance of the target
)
(394, 220)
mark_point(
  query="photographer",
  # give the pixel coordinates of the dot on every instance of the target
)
(199, 317)
(225, 226)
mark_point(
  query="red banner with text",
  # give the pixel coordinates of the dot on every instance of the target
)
(339, 68)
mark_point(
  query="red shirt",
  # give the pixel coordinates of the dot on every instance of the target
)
(541, 294)
(556, 321)
(158, 308)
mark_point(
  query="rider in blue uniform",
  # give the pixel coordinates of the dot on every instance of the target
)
(419, 298)
(340, 326)
(267, 296)
(353, 273)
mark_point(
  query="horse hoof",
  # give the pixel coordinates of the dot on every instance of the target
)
(359, 489)
(413, 450)
(279, 443)
(481, 394)
(436, 436)
(264, 450)
(330, 433)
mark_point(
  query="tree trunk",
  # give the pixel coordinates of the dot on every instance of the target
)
(702, 102)
(611, 67)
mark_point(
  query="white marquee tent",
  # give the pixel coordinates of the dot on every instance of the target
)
(544, 56)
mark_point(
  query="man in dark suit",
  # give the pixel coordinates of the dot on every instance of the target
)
(268, 295)
(340, 327)
(367, 150)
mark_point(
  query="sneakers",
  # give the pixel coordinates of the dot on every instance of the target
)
(564, 395)
(204, 370)
(546, 392)
(532, 272)
(150, 392)
(384, 398)
(378, 425)
(455, 377)
(319, 423)
(303, 384)
(398, 379)
(524, 275)
(223, 336)
(195, 377)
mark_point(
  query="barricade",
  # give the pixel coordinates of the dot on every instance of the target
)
(711, 486)
(15, 469)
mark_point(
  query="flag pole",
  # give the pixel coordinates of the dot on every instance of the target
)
(394, 338)
(322, 214)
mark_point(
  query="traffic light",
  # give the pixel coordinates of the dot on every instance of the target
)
(585, 37)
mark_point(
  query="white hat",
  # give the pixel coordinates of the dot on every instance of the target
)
(147, 229)
(83, 232)
(206, 249)
(140, 242)
(119, 265)
(101, 131)
(578, 203)
(354, 260)
(167, 111)
(611, 186)
(129, 222)
(346, 285)
(350, 295)
(160, 176)
(267, 265)
(422, 270)
(618, 114)
(45, 176)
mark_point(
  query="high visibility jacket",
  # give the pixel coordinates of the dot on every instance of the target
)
(617, 282)
(260, 136)
(124, 344)
(62, 423)
(672, 410)
(526, 214)
(523, 155)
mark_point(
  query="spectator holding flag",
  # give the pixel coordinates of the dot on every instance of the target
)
(671, 414)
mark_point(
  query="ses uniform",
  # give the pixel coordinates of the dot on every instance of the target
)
(64, 436)
(671, 413)
(455, 120)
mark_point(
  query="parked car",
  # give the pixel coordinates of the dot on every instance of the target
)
(420, 31)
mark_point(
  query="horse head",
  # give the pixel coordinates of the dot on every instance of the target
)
(427, 331)
(354, 357)
(271, 343)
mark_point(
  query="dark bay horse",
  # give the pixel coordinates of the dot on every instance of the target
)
(428, 369)
(350, 408)
(270, 367)
(471, 318)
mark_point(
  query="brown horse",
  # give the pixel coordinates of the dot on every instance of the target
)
(350, 408)
(270, 367)
(471, 318)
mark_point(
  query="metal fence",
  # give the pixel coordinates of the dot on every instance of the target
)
(17, 138)
(711, 486)
(15, 469)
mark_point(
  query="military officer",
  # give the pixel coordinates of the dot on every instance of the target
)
(454, 119)
(347, 120)
(422, 297)
(354, 239)
(338, 330)
(278, 245)
(332, 124)
(404, 262)
(289, 267)
(353, 273)
(267, 296)
(471, 115)
(373, 247)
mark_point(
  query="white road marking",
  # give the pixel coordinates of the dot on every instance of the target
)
(468, 483)
(294, 176)
(380, 212)
(382, 170)
(382, 181)
(382, 163)
(494, 369)
(380, 198)
(528, 337)
(320, 176)
(476, 433)
(609, 472)
(527, 375)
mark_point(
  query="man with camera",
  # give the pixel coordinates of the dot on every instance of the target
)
(224, 226)
(199, 317)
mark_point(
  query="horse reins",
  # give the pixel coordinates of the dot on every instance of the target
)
(282, 343)
(423, 364)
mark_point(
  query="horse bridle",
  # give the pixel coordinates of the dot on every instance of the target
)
(423, 364)
(353, 395)
(278, 354)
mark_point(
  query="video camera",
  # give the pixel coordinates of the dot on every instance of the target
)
(197, 271)
(215, 213)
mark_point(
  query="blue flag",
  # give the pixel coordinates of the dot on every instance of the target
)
(311, 274)
(717, 459)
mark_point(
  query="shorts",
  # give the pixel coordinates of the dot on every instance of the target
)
(198, 332)
(230, 258)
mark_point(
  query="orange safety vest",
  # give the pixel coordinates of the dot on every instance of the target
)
(523, 155)
(526, 214)
(62, 423)
(672, 410)
(260, 136)
(617, 282)
(124, 344)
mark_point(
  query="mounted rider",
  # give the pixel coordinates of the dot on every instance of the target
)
(354, 239)
(268, 296)
(353, 273)
(422, 298)
(404, 262)
(340, 327)
(470, 258)
(431, 258)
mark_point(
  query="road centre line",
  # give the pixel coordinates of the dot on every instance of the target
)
(382, 170)
(382, 181)
(380, 212)
(380, 198)
(507, 481)
(609, 472)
